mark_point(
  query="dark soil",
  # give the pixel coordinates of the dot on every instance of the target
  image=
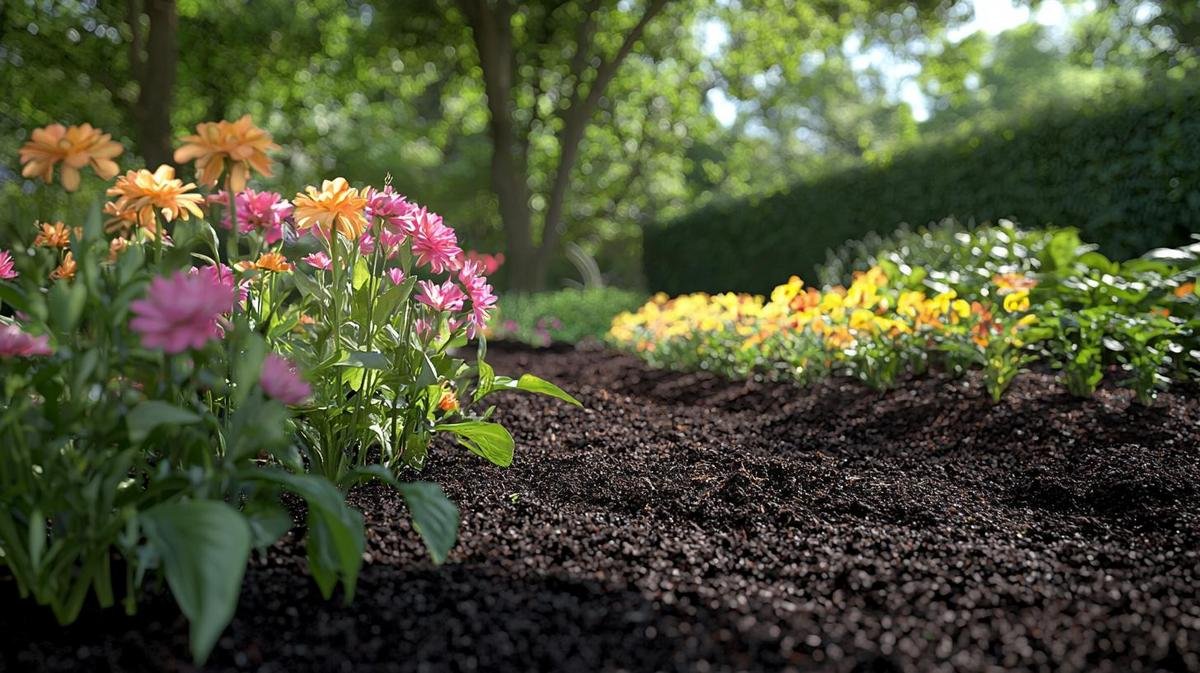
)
(686, 523)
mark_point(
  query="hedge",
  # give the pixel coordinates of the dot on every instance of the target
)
(1125, 172)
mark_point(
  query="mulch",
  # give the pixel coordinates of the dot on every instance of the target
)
(682, 522)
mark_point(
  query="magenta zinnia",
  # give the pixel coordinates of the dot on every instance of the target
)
(281, 381)
(7, 272)
(181, 312)
(14, 343)
(318, 260)
(263, 211)
(482, 296)
(444, 297)
(435, 244)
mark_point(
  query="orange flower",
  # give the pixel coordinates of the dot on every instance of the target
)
(66, 270)
(268, 261)
(55, 235)
(120, 220)
(1013, 282)
(335, 207)
(448, 402)
(75, 147)
(240, 142)
(1185, 289)
(117, 246)
(140, 192)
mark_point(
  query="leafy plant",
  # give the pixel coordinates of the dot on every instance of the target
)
(164, 382)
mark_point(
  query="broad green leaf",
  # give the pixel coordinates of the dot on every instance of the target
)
(66, 302)
(145, 417)
(533, 384)
(365, 359)
(335, 530)
(247, 367)
(204, 546)
(490, 440)
(361, 274)
(434, 516)
(13, 296)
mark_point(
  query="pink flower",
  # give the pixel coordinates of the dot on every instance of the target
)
(223, 275)
(391, 241)
(483, 297)
(396, 276)
(444, 297)
(392, 208)
(281, 381)
(490, 263)
(318, 260)
(423, 327)
(435, 244)
(19, 344)
(7, 272)
(366, 244)
(264, 211)
(182, 311)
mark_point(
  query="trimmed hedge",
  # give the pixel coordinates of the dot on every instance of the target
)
(1125, 174)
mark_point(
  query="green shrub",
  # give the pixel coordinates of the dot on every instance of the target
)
(1124, 173)
(565, 316)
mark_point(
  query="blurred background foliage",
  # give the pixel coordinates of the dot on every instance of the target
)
(536, 125)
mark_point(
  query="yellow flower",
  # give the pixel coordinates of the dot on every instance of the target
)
(335, 207)
(75, 147)
(55, 235)
(140, 192)
(862, 319)
(268, 261)
(240, 142)
(1016, 301)
(66, 270)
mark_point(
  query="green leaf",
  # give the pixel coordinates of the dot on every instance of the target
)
(66, 302)
(335, 530)
(366, 360)
(490, 440)
(434, 516)
(145, 417)
(204, 546)
(533, 384)
(14, 296)
(247, 367)
(361, 274)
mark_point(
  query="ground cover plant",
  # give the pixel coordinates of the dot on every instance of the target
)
(173, 366)
(565, 316)
(993, 298)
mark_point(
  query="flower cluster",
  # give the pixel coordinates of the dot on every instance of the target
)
(202, 378)
(868, 329)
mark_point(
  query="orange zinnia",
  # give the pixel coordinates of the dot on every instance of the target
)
(268, 261)
(140, 192)
(335, 207)
(55, 235)
(117, 246)
(66, 270)
(240, 142)
(75, 147)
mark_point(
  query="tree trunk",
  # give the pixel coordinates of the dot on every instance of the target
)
(155, 72)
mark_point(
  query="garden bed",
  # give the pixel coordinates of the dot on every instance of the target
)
(683, 522)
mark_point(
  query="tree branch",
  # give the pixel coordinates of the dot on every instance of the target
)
(575, 121)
